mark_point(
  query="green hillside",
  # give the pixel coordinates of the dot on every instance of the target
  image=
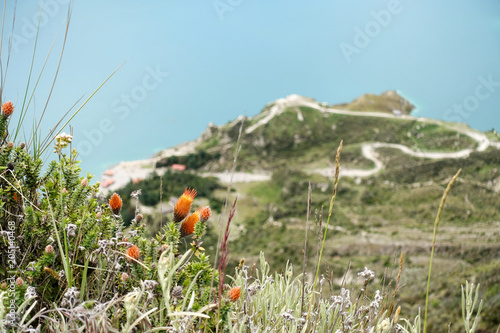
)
(377, 216)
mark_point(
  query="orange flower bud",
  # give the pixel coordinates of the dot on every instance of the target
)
(7, 109)
(139, 218)
(19, 282)
(133, 252)
(187, 227)
(205, 213)
(115, 203)
(234, 294)
(183, 205)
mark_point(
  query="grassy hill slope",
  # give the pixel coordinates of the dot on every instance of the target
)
(375, 217)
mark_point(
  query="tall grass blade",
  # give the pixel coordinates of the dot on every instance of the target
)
(49, 138)
(59, 63)
(337, 171)
(1, 45)
(436, 224)
(25, 105)
(304, 268)
(401, 260)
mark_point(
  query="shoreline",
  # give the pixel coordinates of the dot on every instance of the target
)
(119, 175)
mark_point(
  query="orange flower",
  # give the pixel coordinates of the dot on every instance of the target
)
(7, 109)
(133, 252)
(187, 227)
(183, 205)
(205, 213)
(234, 293)
(115, 203)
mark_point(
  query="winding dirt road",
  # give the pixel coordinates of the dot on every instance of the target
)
(368, 150)
(124, 172)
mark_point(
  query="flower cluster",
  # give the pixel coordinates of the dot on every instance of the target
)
(182, 208)
(183, 205)
(366, 274)
(7, 109)
(77, 245)
(62, 141)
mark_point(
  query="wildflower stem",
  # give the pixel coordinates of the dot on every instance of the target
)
(401, 260)
(336, 181)
(56, 232)
(67, 270)
(305, 247)
(84, 280)
(229, 186)
(224, 247)
(436, 224)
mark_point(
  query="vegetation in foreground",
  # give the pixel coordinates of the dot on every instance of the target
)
(69, 264)
(74, 260)
(376, 217)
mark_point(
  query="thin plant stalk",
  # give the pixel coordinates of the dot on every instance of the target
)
(3, 74)
(59, 62)
(436, 224)
(161, 203)
(46, 144)
(401, 260)
(1, 45)
(61, 219)
(229, 186)
(61, 248)
(26, 103)
(3, 22)
(335, 184)
(304, 268)
(233, 168)
(224, 248)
